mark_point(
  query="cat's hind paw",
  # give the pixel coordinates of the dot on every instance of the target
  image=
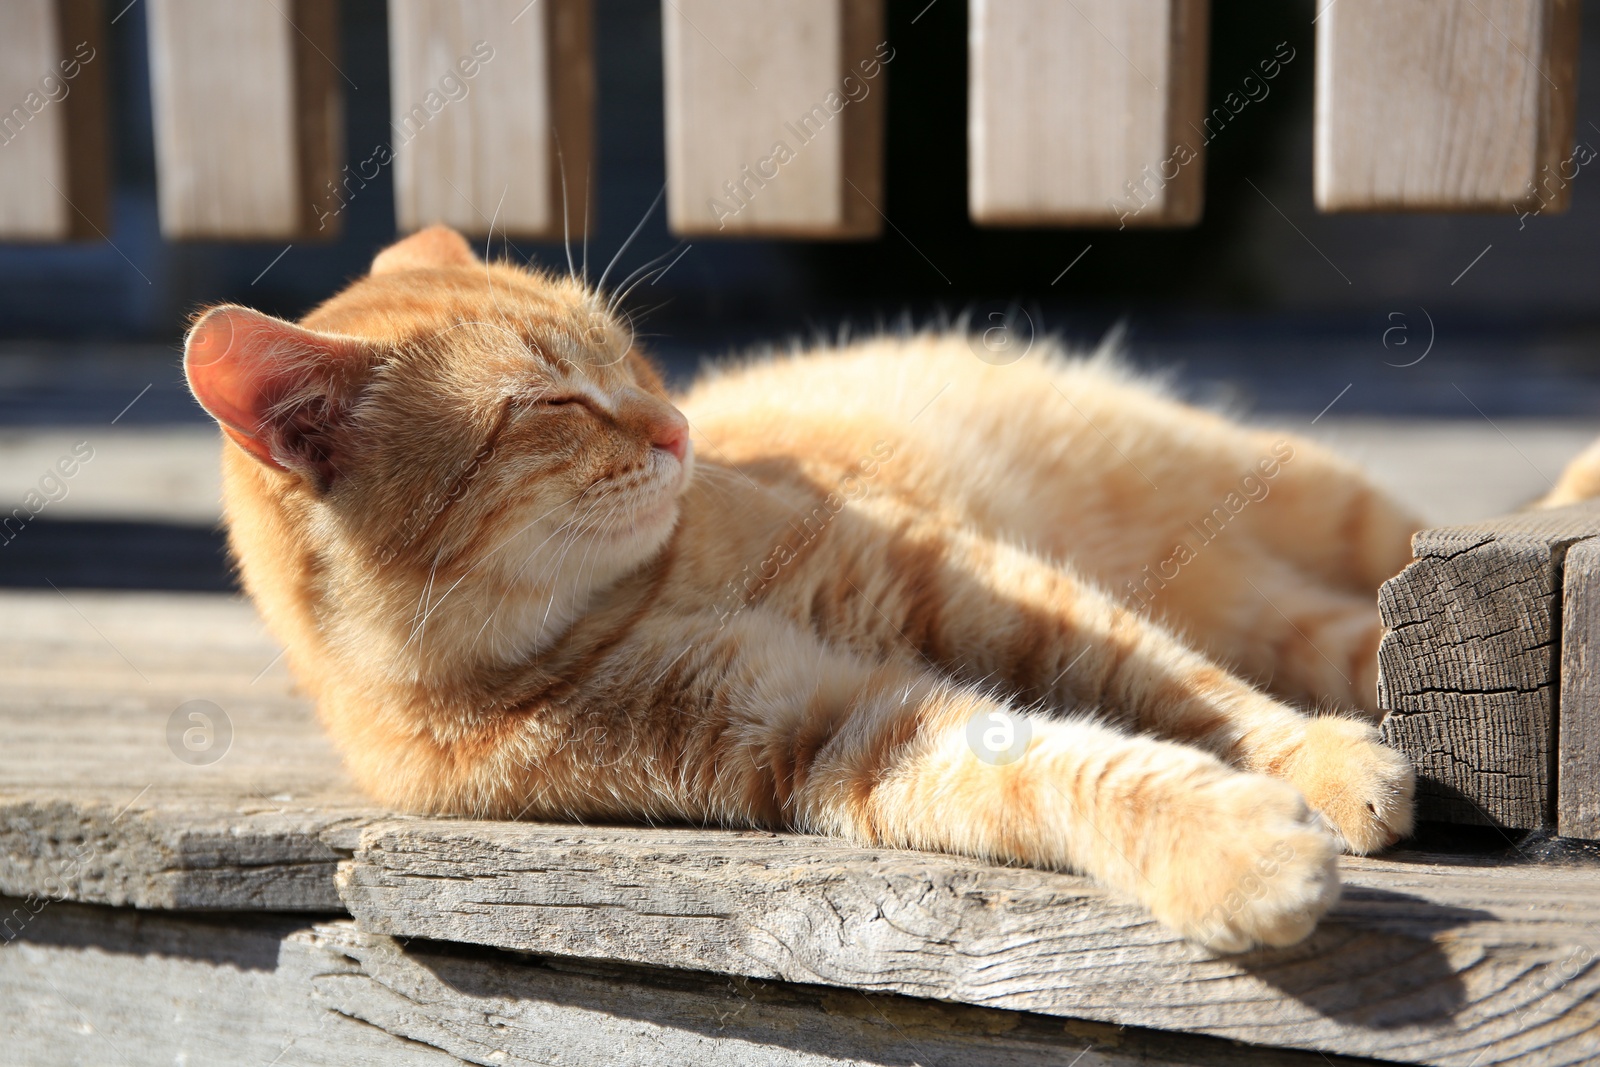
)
(1259, 869)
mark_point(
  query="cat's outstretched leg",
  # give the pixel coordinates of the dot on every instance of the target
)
(793, 732)
(1007, 615)
(1228, 859)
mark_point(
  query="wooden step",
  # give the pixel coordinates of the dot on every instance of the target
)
(158, 764)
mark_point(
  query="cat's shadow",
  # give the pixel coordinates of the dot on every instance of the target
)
(1377, 962)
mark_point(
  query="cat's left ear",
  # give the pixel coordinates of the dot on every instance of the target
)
(434, 248)
(280, 392)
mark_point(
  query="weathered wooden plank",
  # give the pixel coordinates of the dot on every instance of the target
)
(774, 116)
(1468, 667)
(1436, 105)
(54, 180)
(1421, 962)
(247, 111)
(92, 985)
(1088, 113)
(1578, 761)
(95, 801)
(88, 985)
(483, 92)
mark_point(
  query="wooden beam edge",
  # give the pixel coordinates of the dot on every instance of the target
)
(1442, 963)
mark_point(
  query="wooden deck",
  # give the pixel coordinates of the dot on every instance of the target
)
(253, 892)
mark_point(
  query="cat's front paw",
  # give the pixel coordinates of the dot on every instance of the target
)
(1251, 866)
(1361, 786)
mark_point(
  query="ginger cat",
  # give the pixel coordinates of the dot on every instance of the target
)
(1036, 613)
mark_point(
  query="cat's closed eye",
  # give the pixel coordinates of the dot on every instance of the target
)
(551, 401)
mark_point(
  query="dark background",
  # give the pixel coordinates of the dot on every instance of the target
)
(1265, 303)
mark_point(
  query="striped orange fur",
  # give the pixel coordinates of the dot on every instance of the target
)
(520, 581)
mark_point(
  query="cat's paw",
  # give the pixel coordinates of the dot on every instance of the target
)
(1361, 786)
(1252, 866)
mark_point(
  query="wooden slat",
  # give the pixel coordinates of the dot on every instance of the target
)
(81, 982)
(1468, 667)
(54, 183)
(774, 114)
(1420, 962)
(1578, 763)
(247, 109)
(95, 805)
(1439, 105)
(1086, 113)
(482, 93)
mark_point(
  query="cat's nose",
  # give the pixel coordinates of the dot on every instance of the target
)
(671, 434)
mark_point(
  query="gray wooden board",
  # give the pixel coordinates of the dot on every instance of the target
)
(1468, 666)
(1427, 959)
(1578, 763)
(96, 805)
(1421, 962)
(95, 985)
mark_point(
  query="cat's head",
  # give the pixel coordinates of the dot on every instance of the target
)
(443, 423)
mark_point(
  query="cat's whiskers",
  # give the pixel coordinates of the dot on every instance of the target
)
(566, 548)
(487, 556)
(423, 600)
(600, 286)
(529, 559)
(566, 216)
(581, 526)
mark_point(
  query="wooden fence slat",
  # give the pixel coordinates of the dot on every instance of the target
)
(1437, 105)
(54, 183)
(248, 122)
(774, 115)
(1086, 113)
(483, 93)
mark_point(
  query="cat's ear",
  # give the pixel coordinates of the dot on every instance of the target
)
(436, 246)
(280, 392)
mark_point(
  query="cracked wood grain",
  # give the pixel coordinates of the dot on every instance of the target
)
(103, 985)
(1470, 660)
(1447, 963)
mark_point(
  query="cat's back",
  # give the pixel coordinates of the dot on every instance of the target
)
(939, 396)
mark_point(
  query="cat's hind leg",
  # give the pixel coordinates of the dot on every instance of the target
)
(1291, 631)
(1323, 513)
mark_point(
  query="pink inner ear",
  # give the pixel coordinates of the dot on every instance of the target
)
(241, 363)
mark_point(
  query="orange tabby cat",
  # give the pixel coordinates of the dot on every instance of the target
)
(889, 591)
